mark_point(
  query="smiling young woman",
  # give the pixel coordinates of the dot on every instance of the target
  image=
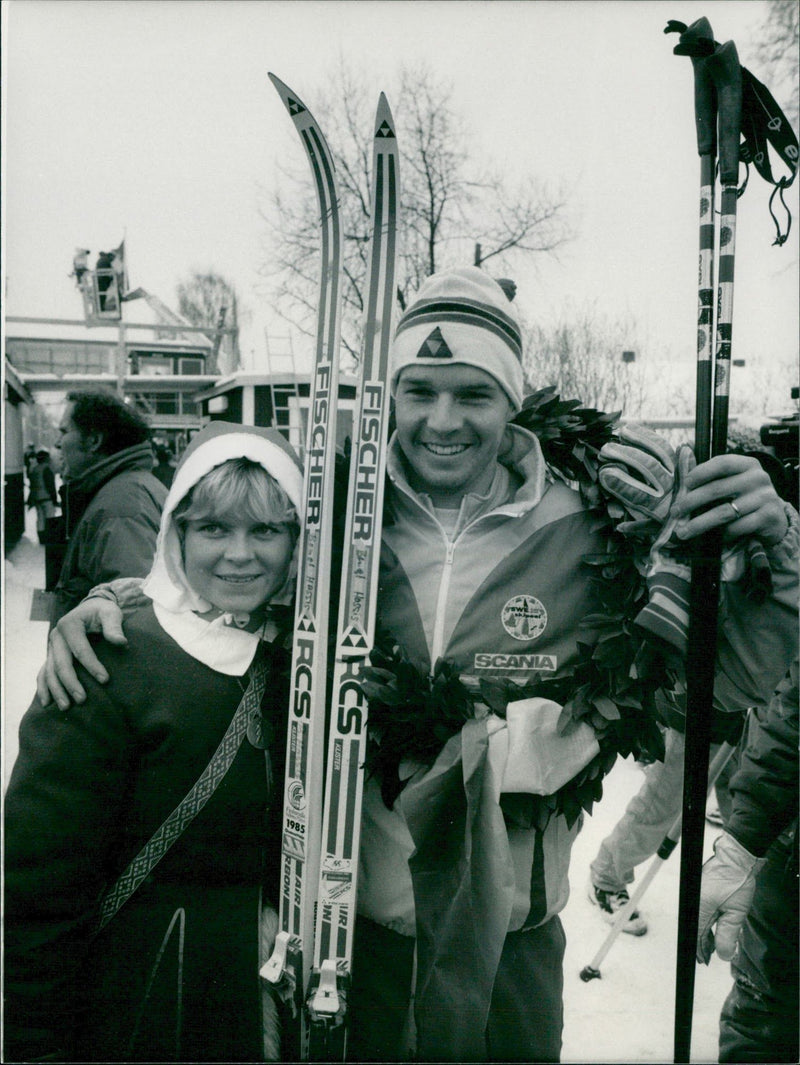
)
(120, 927)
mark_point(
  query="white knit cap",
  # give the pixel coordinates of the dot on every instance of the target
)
(461, 316)
(217, 442)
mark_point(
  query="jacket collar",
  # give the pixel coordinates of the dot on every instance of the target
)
(520, 480)
(80, 492)
(138, 457)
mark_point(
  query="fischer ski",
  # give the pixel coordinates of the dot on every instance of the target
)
(290, 964)
(346, 749)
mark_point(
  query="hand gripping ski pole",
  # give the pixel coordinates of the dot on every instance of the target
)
(289, 967)
(718, 96)
(665, 849)
(347, 737)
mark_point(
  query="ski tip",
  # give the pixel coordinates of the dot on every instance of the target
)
(384, 121)
(291, 100)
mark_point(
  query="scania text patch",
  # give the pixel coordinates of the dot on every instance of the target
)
(529, 662)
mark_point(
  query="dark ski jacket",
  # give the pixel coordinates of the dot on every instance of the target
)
(112, 513)
(88, 790)
(764, 787)
(764, 820)
(173, 975)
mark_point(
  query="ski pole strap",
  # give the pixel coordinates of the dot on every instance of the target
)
(763, 123)
(192, 803)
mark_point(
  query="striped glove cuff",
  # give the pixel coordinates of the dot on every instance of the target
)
(667, 611)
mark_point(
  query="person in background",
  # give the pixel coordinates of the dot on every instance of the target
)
(749, 890)
(42, 493)
(112, 501)
(29, 458)
(142, 838)
(652, 811)
(163, 469)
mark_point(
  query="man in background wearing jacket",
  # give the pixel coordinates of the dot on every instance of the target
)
(112, 501)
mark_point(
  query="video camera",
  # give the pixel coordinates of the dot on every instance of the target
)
(783, 436)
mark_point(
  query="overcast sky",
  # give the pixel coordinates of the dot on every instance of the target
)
(155, 120)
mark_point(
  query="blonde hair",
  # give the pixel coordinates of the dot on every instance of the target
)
(240, 487)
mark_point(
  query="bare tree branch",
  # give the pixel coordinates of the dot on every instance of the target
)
(778, 51)
(582, 357)
(209, 299)
(447, 202)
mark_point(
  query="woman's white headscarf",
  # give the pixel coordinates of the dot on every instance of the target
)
(217, 642)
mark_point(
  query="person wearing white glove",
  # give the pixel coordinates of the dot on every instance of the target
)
(729, 882)
(748, 894)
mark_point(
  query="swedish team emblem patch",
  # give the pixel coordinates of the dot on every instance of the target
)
(524, 617)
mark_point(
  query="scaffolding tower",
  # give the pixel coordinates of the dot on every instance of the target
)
(284, 394)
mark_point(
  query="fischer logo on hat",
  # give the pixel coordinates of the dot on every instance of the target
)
(462, 316)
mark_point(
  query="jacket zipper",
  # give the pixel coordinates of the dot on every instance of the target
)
(441, 601)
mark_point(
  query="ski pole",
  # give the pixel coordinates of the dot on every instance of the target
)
(665, 849)
(698, 40)
(722, 65)
(726, 72)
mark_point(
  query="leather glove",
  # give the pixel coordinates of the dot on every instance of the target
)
(726, 892)
(668, 572)
(638, 470)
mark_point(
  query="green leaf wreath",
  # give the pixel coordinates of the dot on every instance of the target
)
(613, 686)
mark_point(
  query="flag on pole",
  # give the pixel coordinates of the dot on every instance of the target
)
(120, 267)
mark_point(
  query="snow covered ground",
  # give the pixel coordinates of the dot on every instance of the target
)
(626, 1016)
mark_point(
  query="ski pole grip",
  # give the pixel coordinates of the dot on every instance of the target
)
(705, 108)
(726, 72)
(697, 41)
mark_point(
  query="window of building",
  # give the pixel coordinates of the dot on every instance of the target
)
(154, 365)
(159, 402)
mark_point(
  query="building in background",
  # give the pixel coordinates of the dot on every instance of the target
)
(155, 366)
(280, 400)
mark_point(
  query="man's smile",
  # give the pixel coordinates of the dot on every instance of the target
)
(444, 449)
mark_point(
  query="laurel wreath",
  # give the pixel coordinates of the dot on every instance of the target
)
(614, 684)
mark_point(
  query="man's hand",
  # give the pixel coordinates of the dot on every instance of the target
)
(57, 681)
(726, 892)
(741, 498)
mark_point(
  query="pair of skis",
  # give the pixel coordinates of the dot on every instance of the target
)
(311, 963)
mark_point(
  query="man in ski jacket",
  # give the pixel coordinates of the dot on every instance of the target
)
(748, 894)
(483, 564)
(113, 502)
